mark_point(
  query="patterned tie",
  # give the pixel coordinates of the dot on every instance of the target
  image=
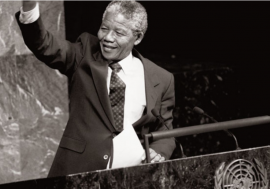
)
(117, 96)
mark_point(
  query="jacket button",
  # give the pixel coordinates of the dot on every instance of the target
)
(105, 157)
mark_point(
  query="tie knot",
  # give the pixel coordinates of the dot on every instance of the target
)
(115, 67)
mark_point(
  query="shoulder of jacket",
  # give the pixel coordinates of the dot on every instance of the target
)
(88, 40)
(158, 69)
(84, 37)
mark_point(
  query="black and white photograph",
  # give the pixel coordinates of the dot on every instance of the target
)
(134, 94)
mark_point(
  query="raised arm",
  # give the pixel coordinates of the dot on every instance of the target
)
(57, 54)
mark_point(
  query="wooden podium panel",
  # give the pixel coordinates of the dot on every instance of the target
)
(245, 169)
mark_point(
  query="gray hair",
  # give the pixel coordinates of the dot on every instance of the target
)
(132, 11)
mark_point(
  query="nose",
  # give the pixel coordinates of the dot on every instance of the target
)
(109, 37)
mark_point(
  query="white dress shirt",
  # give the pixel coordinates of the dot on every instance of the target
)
(132, 74)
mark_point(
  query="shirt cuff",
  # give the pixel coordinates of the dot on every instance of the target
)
(29, 16)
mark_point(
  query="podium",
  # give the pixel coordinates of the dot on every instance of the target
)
(238, 169)
(243, 169)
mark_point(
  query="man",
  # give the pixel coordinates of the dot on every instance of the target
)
(96, 117)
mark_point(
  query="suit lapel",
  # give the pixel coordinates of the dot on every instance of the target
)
(151, 81)
(100, 70)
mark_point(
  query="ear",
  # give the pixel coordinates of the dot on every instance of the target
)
(139, 36)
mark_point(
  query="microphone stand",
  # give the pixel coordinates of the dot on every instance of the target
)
(200, 111)
(178, 144)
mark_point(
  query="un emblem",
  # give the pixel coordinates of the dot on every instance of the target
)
(241, 174)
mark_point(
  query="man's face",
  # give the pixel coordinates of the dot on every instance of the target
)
(116, 37)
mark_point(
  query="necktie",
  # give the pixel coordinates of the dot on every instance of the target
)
(117, 96)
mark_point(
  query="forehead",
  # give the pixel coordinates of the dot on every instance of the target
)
(117, 20)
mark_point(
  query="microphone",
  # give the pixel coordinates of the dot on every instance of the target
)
(158, 116)
(201, 112)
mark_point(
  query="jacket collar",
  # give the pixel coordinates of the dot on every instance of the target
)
(99, 69)
(151, 81)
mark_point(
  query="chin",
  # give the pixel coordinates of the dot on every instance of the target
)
(108, 56)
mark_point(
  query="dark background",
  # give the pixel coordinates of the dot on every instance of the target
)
(219, 54)
(208, 31)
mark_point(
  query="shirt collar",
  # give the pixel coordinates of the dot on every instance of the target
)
(125, 63)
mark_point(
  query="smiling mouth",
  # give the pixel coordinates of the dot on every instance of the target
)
(108, 48)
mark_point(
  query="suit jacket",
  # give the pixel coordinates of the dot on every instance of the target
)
(86, 143)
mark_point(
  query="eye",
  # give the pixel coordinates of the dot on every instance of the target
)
(120, 34)
(104, 28)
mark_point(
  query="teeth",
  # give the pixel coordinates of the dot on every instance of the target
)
(108, 48)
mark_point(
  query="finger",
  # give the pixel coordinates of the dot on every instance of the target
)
(153, 153)
(151, 150)
(156, 158)
(162, 159)
(143, 157)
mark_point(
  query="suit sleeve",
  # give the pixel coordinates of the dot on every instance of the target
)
(61, 55)
(166, 146)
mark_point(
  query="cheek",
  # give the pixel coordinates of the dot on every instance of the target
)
(129, 46)
(99, 35)
(125, 44)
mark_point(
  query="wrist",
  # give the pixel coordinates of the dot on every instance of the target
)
(28, 5)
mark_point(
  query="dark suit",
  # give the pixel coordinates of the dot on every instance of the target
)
(87, 138)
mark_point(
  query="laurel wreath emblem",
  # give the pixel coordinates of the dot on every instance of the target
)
(262, 172)
(218, 176)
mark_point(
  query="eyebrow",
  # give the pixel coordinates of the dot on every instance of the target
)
(117, 28)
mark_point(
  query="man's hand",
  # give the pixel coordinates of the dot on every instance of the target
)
(154, 157)
(28, 5)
